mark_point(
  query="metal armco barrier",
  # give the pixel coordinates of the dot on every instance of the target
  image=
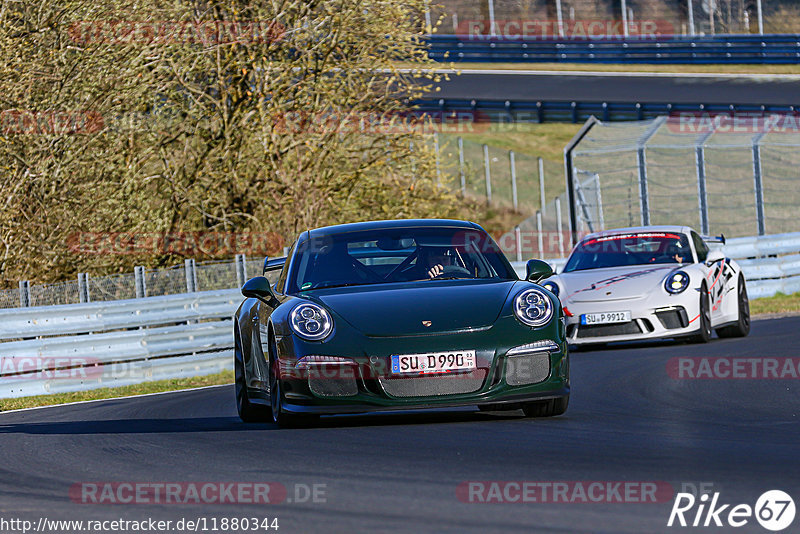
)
(754, 49)
(767, 271)
(77, 347)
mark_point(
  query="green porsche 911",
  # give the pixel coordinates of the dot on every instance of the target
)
(396, 315)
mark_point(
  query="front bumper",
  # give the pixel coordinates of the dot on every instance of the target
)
(674, 319)
(366, 384)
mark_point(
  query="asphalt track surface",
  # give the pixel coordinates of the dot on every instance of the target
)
(706, 89)
(627, 421)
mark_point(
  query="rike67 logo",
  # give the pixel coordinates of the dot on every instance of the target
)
(774, 510)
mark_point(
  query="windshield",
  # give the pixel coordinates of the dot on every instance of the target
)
(396, 255)
(641, 248)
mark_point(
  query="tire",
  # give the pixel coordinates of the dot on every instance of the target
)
(546, 408)
(248, 412)
(281, 417)
(704, 333)
(742, 326)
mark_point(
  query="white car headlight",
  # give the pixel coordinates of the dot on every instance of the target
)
(533, 308)
(677, 282)
(311, 322)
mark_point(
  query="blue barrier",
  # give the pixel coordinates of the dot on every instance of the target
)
(566, 111)
(765, 49)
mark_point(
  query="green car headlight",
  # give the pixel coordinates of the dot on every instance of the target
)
(533, 308)
(677, 282)
(311, 322)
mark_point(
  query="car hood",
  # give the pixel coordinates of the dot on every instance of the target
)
(388, 310)
(614, 283)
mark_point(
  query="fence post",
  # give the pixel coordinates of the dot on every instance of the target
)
(599, 199)
(24, 293)
(518, 239)
(83, 287)
(241, 270)
(541, 186)
(140, 282)
(759, 190)
(492, 24)
(436, 155)
(560, 227)
(691, 16)
(539, 232)
(461, 166)
(702, 193)
(488, 173)
(644, 200)
(189, 268)
(512, 162)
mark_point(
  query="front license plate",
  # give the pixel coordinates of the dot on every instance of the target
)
(606, 317)
(433, 362)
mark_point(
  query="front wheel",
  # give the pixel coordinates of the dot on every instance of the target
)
(546, 408)
(281, 417)
(248, 412)
(742, 326)
(704, 318)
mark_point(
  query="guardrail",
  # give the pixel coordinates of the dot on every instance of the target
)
(754, 49)
(76, 347)
(770, 263)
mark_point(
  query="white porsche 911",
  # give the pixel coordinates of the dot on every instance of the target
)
(648, 283)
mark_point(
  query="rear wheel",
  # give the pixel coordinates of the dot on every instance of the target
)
(248, 412)
(742, 326)
(546, 408)
(704, 318)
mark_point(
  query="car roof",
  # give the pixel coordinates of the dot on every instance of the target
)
(638, 229)
(395, 223)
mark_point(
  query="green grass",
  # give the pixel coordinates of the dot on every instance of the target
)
(780, 303)
(225, 377)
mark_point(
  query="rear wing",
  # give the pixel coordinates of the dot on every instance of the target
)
(711, 239)
(273, 264)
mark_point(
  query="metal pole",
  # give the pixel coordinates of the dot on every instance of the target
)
(691, 17)
(560, 227)
(428, 25)
(512, 162)
(702, 193)
(760, 18)
(624, 18)
(24, 293)
(518, 239)
(83, 287)
(599, 199)
(487, 173)
(644, 199)
(492, 31)
(560, 16)
(436, 153)
(539, 232)
(759, 190)
(461, 166)
(569, 175)
(712, 8)
(241, 270)
(191, 275)
(541, 186)
(140, 282)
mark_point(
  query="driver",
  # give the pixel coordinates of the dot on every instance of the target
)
(675, 253)
(435, 259)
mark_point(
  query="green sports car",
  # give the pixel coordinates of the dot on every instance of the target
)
(396, 315)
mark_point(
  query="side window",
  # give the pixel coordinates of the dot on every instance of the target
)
(281, 283)
(700, 246)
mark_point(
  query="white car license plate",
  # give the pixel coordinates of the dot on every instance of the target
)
(606, 317)
(433, 362)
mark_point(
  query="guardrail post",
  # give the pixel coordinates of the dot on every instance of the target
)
(513, 165)
(758, 188)
(560, 227)
(241, 270)
(24, 293)
(83, 287)
(518, 241)
(461, 166)
(488, 173)
(140, 282)
(541, 187)
(189, 267)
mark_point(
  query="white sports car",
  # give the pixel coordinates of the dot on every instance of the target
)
(648, 283)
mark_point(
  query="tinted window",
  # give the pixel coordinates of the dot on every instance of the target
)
(640, 248)
(700, 246)
(395, 255)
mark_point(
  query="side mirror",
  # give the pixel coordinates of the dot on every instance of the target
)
(537, 270)
(714, 256)
(258, 288)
